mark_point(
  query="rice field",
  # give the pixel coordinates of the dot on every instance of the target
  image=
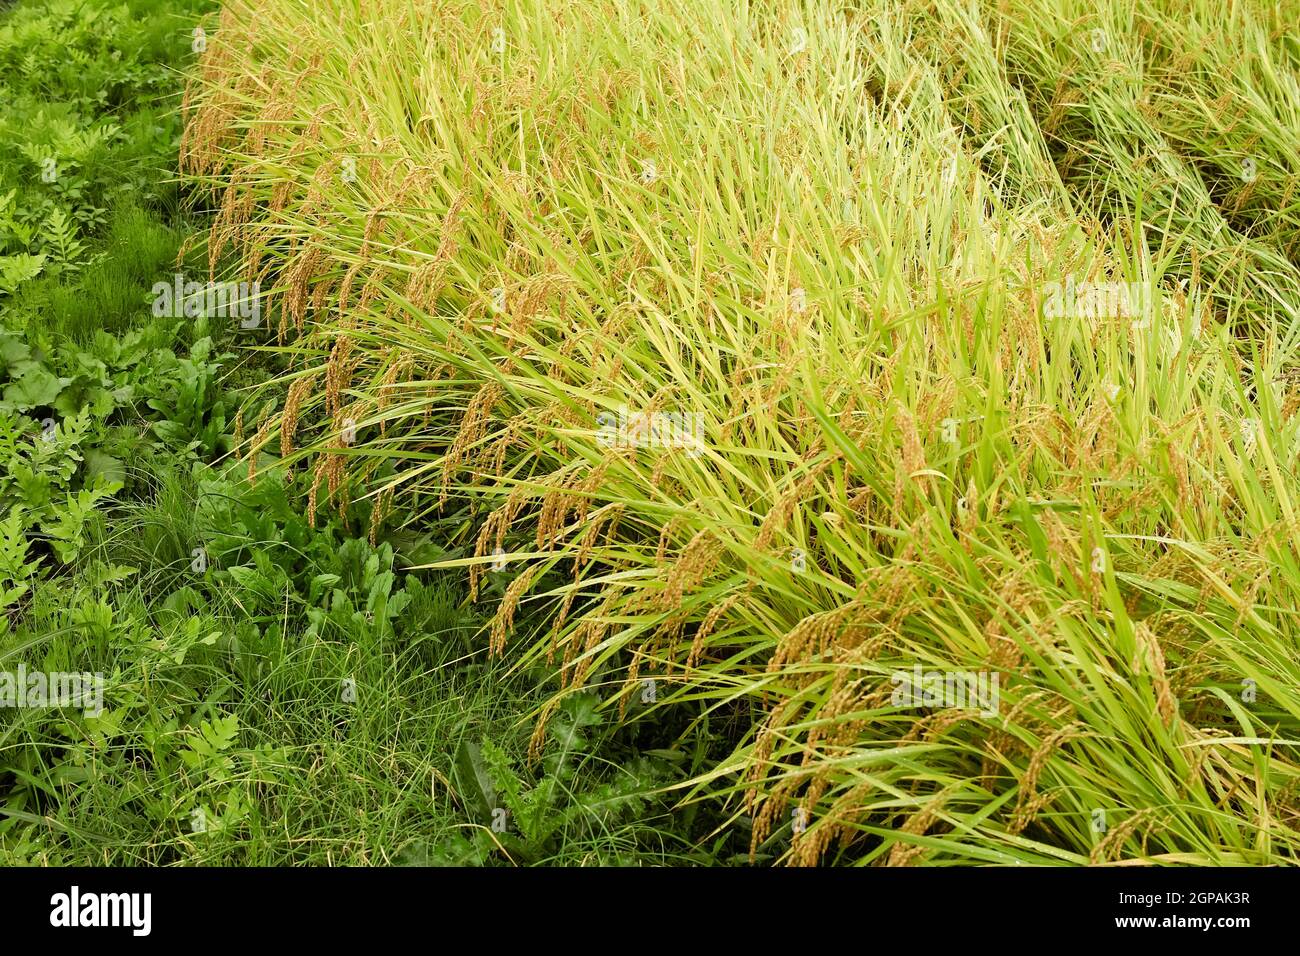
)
(896, 399)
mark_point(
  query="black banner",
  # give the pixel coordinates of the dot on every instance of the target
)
(211, 907)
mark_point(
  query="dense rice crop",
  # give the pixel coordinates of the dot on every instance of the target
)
(770, 351)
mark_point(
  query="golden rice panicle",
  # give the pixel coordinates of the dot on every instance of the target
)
(298, 393)
(473, 426)
(903, 853)
(1029, 801)
(505, 616)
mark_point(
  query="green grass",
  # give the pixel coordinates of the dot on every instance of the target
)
(312, 776)
(110, 294)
